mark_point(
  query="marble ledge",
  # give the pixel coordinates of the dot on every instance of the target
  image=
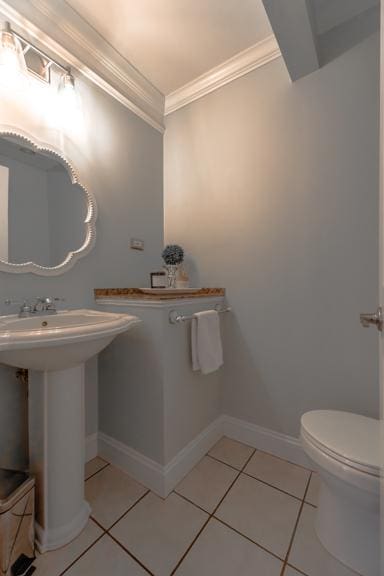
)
(139, 294)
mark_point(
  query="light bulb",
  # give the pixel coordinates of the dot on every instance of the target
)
(69, 105)
(13, 69)
(67, 93)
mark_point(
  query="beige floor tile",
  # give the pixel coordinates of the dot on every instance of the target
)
(106, 558)
(308, 555)
(94, 466)
(219, 551)
(278, 473)
(260, 512)
(158, 532)
(53, 563)
(231, 452)
(313, 490)
(207, 483)
(291, 572)
(110, 493)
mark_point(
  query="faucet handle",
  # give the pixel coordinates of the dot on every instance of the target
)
(25, 308)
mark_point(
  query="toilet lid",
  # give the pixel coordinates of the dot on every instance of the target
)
(349, 438)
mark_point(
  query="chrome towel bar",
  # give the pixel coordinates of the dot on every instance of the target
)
(176, 318)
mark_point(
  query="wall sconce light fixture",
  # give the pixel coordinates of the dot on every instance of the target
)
(20, 56)
(12, 59)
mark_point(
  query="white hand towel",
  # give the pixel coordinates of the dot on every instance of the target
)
(207, 351)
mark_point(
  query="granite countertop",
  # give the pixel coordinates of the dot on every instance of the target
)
(139, 294)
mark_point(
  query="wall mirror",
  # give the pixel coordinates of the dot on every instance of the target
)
(47, 218)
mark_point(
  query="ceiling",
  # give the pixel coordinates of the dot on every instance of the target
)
(172, 42)
(156, 56)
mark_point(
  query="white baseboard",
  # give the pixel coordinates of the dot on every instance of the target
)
(140, 467)
(189, 456)
(91, 447)
(265, 439)
(160, 479)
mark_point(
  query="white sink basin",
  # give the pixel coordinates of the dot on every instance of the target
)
(58, 341)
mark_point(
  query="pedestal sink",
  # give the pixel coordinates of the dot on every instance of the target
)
(54, 348)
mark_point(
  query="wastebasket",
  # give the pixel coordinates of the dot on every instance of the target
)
(17, 506)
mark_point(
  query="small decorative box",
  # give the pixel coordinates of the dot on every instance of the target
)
(158, 280)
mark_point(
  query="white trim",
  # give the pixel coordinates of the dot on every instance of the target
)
(91, 446)
(57, 28)
(140, 467)
(61, 31)
(160, 479)
(281, 445)
(189, 456)
(163, 479)
(89, 222)
(257, 55)
(56, 538)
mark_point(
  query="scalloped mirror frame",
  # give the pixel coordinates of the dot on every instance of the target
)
(89, 222)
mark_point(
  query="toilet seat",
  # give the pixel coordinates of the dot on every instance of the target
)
(351, 439)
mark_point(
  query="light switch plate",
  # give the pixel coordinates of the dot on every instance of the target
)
(137, 244)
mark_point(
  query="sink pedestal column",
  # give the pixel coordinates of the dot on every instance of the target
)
(56, 452)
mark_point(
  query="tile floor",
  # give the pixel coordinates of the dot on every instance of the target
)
(239, 512)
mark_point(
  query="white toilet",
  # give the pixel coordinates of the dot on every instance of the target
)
(344, 448)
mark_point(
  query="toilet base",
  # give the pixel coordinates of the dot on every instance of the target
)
(347, 524)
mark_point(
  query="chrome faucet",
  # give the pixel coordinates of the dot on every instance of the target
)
(42, 306)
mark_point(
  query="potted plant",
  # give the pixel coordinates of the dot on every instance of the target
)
(173, 256)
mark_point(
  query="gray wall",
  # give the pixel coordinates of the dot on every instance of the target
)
(272, 188)
(119, 157)
(150, 399)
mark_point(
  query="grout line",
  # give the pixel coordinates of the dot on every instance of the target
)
(191, 502)
(210, 515)
(275, 487)
(126, 512)
(97, 471)
(235, 479)
(285, 460)
(81, 555)
(130, 554)
(106, 531)
(190, 546)
(264, 481)
(98, 523)
(295, 526)
(226, 463)
(297, 569)
(249, 539)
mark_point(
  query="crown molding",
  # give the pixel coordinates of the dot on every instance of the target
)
(62, 32)
(54, 25)
(257, 55)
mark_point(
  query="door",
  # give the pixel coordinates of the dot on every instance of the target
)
(376, 319)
